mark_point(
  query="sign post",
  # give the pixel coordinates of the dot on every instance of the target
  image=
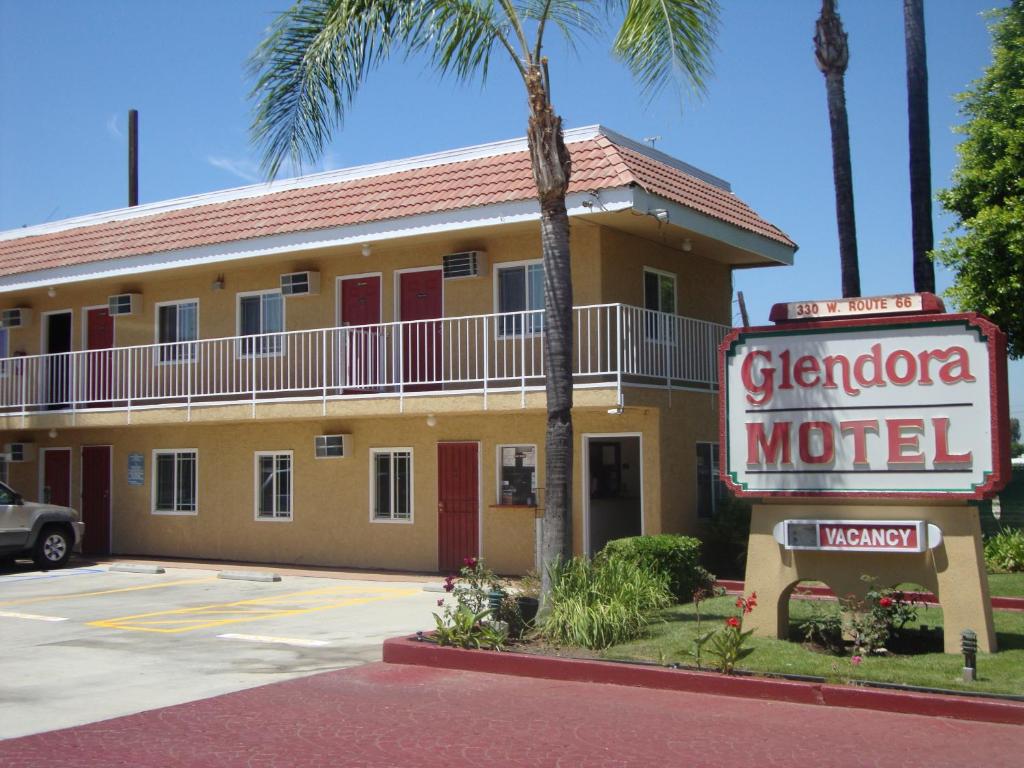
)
(866, 430)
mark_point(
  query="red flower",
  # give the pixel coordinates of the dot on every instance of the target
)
(885, 602)
(449, 584)
(733, 622)
(469, 562)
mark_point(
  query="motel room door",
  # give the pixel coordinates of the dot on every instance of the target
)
(96, 499)
(360, 306)
(421, 300)
(458, 504)
(99, 335)
(55, 483)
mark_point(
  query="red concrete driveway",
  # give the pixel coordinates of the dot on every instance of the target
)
(393, 715)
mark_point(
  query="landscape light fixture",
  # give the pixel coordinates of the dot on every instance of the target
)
(969, 646)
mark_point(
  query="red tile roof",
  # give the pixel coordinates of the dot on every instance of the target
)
(598, 163)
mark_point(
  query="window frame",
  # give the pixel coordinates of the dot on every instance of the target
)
(240, 349)
(498, 472)
(651, 330)
(184, 351)
(536, 321)
(175, 452)
(274, 517)
(5, 350)
(392, 520)
(717, 486)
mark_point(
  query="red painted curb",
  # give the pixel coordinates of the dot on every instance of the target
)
(402, 650)
(1000, 602)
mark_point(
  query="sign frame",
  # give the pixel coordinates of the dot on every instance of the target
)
(998, 395)
(929, 536)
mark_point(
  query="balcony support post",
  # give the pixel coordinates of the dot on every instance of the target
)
(487, 358)
(323, 371)
(620, 333)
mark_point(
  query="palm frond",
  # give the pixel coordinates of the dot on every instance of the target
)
(666, 42)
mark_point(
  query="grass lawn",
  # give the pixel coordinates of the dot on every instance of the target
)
(1006, 584)
(670, 637)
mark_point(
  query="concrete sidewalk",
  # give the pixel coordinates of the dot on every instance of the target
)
(394, 715)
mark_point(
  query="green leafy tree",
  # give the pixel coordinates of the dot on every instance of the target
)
(319, 52)
(986, 244)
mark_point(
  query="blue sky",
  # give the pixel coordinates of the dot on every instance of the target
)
(70, 71)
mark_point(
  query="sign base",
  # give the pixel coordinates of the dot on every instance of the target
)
(954, 570)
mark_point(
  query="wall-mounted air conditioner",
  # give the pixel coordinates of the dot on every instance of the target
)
(331, 446)
(464, 264)
(124, 304)
(19, 452)
(15, 318)
(300, 283)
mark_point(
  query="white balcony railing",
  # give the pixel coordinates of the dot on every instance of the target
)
(613, 344)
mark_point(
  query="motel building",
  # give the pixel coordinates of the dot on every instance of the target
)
(345, 369)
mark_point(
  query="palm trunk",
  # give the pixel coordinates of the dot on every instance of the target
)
(842, 173)
(832, 55)
(551, 169)
(920, 147)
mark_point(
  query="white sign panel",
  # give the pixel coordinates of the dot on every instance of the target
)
(876, 408)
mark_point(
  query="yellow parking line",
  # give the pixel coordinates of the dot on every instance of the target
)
(218, 614)
(76, 595)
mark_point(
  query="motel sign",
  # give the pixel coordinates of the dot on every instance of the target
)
(884, 407)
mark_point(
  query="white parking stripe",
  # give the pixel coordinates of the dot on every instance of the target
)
(280, 640)
(33, 616)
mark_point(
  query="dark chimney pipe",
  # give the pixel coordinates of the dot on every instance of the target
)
(133, 157)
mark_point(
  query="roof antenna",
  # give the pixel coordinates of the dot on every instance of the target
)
(133, 158)
(651, 140)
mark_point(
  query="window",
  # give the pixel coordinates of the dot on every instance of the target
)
(4, 351)
(517, 482)
(176, 323)
(391, 484)
(3, 472)
(7, 495)
(659, 296)
(710, 488)
(521, 289)
(274, 485)
(261, 313)
(174, 481)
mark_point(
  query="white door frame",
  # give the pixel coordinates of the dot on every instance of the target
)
(585, 439)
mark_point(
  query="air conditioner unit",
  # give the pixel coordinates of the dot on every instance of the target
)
(15, 318)
(464, 264)
(124, 304)
(331, 446)
(19, 452)
(300, 283)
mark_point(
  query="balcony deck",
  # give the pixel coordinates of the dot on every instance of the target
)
(479, 362)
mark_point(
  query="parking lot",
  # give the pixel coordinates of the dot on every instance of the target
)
(85, 644)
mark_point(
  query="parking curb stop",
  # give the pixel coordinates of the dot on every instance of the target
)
(249, 576)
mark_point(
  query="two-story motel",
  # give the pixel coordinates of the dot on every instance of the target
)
(345, 368)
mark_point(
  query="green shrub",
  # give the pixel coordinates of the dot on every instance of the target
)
(1005, 551)
(676, 557)
(596, 604)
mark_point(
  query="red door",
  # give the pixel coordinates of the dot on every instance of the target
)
(96, 499)
(360, 306)
(99, 335)
(56, 477)
(458, 504)
(420, 301)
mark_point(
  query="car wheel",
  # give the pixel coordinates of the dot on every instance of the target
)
(52, 549)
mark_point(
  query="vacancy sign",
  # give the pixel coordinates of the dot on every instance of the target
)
(876, 407)
(858, 535)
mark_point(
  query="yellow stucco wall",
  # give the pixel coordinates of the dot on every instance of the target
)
(218, 311)
(703, 286)
(331, 505)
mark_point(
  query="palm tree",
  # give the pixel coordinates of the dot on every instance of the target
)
(832, 55)
(318, 53)
(920, 148)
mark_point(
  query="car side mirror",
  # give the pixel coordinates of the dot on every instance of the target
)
(18, 499)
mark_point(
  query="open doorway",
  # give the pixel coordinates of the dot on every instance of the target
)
(613, 489)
